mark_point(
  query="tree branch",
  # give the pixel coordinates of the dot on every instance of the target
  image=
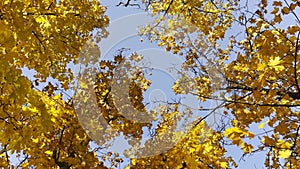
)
(126, 4)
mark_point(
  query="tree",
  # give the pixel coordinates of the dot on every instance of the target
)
(259, 67)
(254, 76)
(37, 125)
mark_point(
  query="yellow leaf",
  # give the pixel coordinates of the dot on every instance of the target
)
(283, 144)
(223, 164)
(35, 140)
(274, 63)
(192, 149)
(133, 161)
(48, 152)
(105, 92)
(53, 119)
(40, 20)
(83, 85)
(6, 2)
(262, 125)
(284, 153)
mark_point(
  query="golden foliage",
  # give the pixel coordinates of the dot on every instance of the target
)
(254, 75)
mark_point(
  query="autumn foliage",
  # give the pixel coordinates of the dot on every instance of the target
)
(245, 55)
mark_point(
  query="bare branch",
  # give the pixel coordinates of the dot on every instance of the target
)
(126, 4)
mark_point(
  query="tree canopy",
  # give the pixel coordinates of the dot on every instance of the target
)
(244, 55)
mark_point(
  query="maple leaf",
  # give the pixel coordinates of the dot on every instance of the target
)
(284, 153)
(275, 63)
(257, 74)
